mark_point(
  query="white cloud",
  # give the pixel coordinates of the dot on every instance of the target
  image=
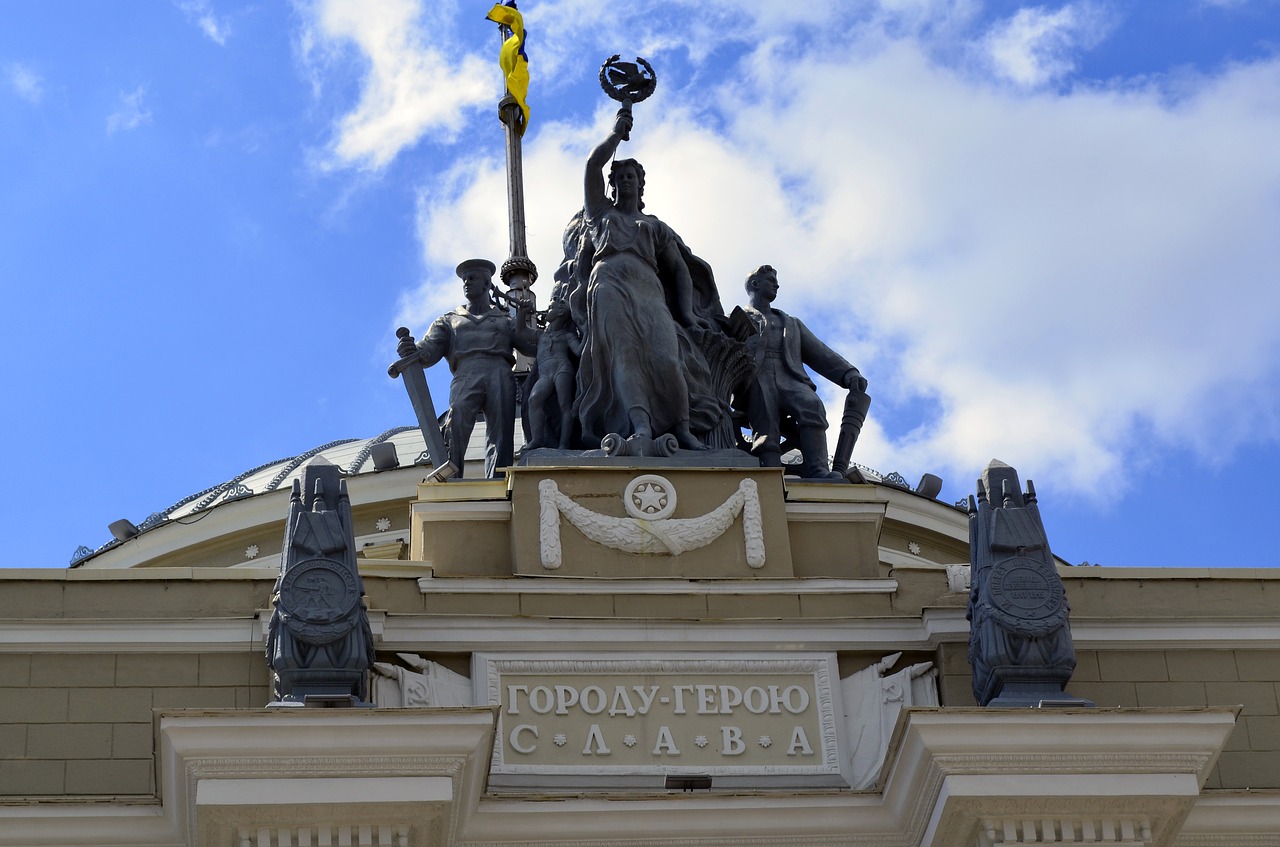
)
(1065, 279)
(1036, 46)
(131, 114)
(200, 13)
(412, 87)
(26, 83)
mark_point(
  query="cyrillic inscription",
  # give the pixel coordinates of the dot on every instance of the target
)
(722, 714)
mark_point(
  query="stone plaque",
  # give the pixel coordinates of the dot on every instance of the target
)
(609, 720)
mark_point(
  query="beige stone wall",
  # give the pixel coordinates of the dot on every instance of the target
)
(1179, 678)
(78, 724)
(164, 594)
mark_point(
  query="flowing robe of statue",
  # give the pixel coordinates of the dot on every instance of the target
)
(634, 351)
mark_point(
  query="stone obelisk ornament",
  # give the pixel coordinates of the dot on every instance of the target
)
(319, 644)
(627, 82)
(1020, 637)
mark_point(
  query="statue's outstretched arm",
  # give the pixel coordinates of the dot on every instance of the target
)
(594, 192)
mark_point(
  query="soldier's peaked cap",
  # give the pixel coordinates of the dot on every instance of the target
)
(476, 264)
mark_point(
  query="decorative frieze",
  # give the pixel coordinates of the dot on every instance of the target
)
(359, 835)
(1114, 832)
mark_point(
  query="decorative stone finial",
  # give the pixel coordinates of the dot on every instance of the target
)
(319, 644)
(1020, 637)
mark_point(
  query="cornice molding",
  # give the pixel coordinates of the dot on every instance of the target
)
(467, 633)
(570, 585)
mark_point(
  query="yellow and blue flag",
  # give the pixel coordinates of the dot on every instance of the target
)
(512, 58)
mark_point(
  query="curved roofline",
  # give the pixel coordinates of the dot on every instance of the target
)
(244, 485)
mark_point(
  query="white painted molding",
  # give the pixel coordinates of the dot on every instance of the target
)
(62, 635)
(951, 770)
(838, 511)
(223, 772)
(898, 559)
(477, 510)
(572, 585)
(449, 633)
(1183, 633)
(919, 512)
(460, 634)
(113, 635)
(1233, 819)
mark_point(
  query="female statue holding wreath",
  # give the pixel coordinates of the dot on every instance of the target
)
(640, 296)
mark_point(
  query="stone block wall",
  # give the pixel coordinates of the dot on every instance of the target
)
(1173, 678)
(81, 724)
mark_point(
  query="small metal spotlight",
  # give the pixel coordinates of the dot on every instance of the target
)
(123, 529)
(930, 486)
(442, 473)
(688, 782)
(384, 456)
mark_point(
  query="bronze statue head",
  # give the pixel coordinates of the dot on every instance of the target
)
(636, 167)
(758, 273)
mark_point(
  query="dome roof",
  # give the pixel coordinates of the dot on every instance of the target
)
(354, 456)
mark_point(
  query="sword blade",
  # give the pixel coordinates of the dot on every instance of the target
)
(415, 383)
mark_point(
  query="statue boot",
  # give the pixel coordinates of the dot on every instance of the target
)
(813, 449)
(768, 451)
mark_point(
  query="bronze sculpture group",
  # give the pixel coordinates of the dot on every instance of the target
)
(636, 356)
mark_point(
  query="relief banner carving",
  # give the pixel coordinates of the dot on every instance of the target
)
(648, 500)
(427, 684)
(872, 702)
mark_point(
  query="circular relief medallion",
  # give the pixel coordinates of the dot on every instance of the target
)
(649, 497)
(319, 591)
(1025, 596)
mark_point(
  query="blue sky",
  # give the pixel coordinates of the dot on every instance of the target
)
(1047, 233)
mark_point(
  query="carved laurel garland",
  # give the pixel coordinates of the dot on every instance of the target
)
(671, 536)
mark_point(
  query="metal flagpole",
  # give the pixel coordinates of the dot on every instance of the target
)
(518, 271)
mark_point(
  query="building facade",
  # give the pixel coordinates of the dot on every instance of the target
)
(623, 654)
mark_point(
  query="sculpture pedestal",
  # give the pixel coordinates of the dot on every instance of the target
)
(625, 521)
